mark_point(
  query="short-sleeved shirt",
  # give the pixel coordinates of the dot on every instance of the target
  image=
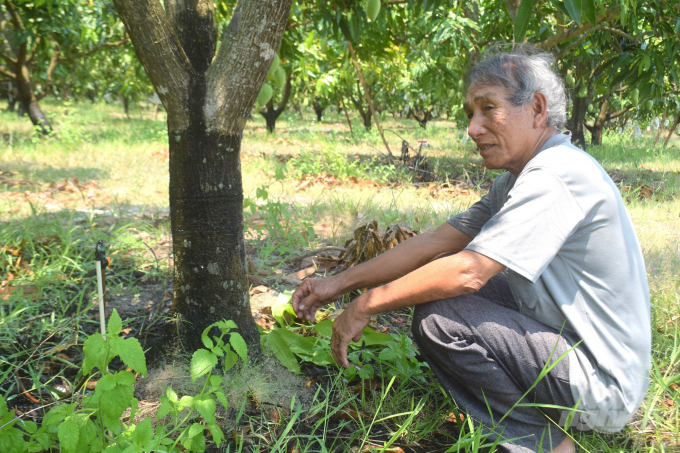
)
(573, 263)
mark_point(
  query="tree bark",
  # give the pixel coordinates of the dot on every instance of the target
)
(671, 130)
(318, 109)
(575, 123)
(208, 99)
(598, 126)
(663, 120)
(22, 77)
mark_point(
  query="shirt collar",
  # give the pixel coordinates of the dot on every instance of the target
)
(556, 140)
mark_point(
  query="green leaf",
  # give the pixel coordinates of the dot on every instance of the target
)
(207, 342)
(205, 406)
(131, 353)
(115, 325)
(324, 328)
(574, 9)
(677, 27)
(222, 399)
(143, 434)
(238, 343)
(113, 403)
(230, 360)
(12, 440)
(370, 338)
(217, 434)
(202, 362)
(186, 401)
(164, 409)
(96, 350)
(29, 426)
(68, 433)
(522, 18)
(278, 345)
(590, 11)
(172, 396)
(215, 381)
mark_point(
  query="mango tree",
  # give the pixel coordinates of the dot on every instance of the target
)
(208, 93)
(39, 38)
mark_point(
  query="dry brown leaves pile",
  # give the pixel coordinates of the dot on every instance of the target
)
(53, 195)
(368, 243)
(331, 181)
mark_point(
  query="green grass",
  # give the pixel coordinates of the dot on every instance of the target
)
(51, 222)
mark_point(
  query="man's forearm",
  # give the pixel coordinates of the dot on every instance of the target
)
(403, 259)
(451, 276)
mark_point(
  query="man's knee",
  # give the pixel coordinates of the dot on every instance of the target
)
(438, 321)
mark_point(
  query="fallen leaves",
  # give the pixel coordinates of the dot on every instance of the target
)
(55, 195)
(368, 243)
(327, 180)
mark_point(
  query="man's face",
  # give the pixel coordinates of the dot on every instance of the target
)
(504, 134)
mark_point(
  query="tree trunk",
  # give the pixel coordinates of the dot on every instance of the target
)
(598, 125)
(207, 99)
(575, 123)
(671, 130)
(11, 100)
(270, 113)
(28, 101)
(318, 109)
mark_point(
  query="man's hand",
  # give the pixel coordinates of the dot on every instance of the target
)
(347, 327)
(313, 294)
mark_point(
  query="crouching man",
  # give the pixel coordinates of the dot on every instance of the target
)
(544, 272)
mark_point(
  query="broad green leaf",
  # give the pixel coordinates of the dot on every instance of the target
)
(202, 362)
(215, 381)
(96, 350)
(3, 406)
(206, 407)
(238, 343)
(186, 401)
(217, 434)
(574, 9)
(589, 10)
(112, 449)
(143, 434)
(172, 396)
(222, 399)
(524, 13)
(370, 338)
(12, 440)
(195, 430)
(324, 328)
(230, 359)
(677, 27)
(207, 342)
(131, 353)
(278, 345)
(68, 433)
(115, 324)
(29, 426)
(87, 435)
(164, 409)
(113, 403)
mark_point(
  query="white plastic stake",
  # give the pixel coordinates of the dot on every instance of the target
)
(100, 290)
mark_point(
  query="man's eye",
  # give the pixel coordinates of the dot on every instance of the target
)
(489, 107)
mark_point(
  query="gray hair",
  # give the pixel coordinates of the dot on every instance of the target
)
(523, 71)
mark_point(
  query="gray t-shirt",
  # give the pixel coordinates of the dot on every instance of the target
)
(574, 264)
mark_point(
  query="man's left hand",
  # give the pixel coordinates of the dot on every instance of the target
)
(347, 327)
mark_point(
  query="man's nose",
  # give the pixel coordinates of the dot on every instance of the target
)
(475, 127)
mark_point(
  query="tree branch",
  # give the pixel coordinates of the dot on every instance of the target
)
(240, 68)
(34, 49)
(96, 48)
(17, 24)
(161, 54)
(7, 73)
(194, 24)
(8, 59)
(575, 31)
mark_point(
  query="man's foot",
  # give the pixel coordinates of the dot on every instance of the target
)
(567, 446)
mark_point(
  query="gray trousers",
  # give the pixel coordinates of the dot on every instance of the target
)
(487, 354)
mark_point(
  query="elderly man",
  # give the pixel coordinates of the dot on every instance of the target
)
(544, 273)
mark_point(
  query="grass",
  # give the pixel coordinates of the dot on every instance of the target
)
(107, 178)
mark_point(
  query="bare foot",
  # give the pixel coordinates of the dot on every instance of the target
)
(567, 446)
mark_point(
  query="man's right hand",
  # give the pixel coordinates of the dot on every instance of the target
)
(313, 294)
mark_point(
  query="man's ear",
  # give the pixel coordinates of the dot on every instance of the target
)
(540, 110)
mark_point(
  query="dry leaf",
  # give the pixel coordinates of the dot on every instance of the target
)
(259, 290)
